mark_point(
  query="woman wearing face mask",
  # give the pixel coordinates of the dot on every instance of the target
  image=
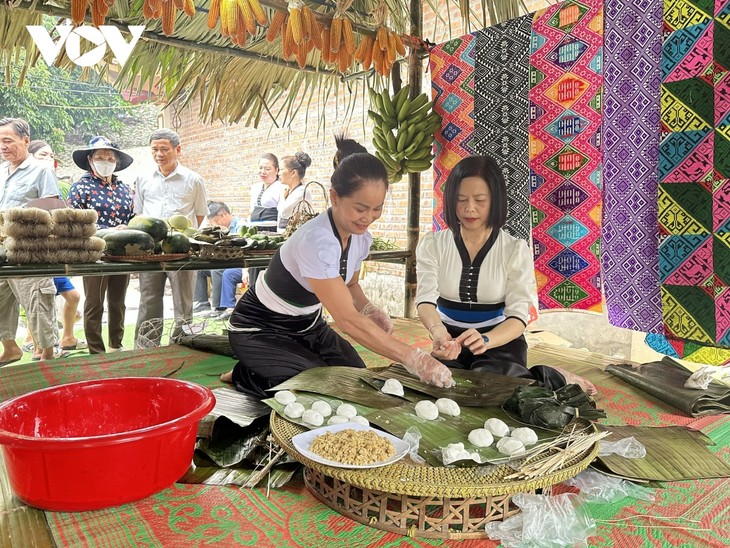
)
(99, 189)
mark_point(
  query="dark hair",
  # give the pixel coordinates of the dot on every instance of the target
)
(271, 158)
(299, 163)
(164, 133)
(36, 145)
(345, 147)
(355, 170)
(20, 126)
(476, 166)
(216, 208)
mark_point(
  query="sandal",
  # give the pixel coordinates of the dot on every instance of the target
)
(80, 345)
(57, 355)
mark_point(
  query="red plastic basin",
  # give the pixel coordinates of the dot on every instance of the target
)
(93, 444)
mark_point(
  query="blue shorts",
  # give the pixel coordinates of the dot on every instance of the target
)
(63, 285)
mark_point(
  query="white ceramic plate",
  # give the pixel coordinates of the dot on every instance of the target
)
(304, 440)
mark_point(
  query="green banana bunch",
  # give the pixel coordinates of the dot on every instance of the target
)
(403, 130)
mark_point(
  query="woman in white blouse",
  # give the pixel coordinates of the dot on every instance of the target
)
(476, 283)
(292, 176)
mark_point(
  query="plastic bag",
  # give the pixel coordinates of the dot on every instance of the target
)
(545, 522)
(629, 448)
(413, 438)
(597, 487)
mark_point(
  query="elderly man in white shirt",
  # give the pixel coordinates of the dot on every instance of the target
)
(172, 189)
(23, 179)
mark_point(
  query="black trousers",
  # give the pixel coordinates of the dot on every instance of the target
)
(509, 359)
(282, 346)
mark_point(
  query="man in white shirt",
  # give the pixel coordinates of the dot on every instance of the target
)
(172, 189)
(22, 179)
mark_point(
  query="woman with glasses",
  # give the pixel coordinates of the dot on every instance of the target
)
(99, 189)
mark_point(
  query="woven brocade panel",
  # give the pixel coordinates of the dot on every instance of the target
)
(565, 153)
(630, 243)
(501, 112)
(452, 87)
(694, 173)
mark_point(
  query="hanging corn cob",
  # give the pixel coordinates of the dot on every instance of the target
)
(341, 42)
(300, 32)
(238, 17)
(99, 9)
(381, 51)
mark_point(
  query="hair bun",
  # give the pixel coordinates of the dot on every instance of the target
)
(303, 158)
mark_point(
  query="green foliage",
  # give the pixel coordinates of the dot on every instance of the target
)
(56, 104)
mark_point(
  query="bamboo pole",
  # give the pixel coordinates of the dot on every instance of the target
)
(415, 75)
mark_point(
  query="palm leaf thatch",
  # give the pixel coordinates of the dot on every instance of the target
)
(196, 65)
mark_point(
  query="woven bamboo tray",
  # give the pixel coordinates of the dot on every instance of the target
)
(421, 500)
(151, 258)
(221, 253)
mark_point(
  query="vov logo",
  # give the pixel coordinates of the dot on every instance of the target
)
(105, 35)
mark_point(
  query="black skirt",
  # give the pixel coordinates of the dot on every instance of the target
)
(274, 347)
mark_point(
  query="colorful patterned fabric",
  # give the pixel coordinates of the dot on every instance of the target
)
(629, 244)
(501, 112)
(565, 153)
(452, 85)
(694, 193)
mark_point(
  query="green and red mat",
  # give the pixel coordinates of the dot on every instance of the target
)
(685, 513)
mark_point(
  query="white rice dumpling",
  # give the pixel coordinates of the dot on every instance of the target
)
(346, 410)
(322, 407)
(284, 397)
(310, 416)
(393, 386)
(337, 419)
(510, 446)
(453, 452)
(481, 437)
(294, 410)
(447, 406)
(497, 427)
(426, 409)
(526, 435)
(360, 420)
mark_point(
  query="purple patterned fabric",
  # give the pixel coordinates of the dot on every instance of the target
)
(630, 257)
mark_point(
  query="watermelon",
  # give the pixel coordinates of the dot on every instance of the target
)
(176, 243)
(128, 242)
(157, 228)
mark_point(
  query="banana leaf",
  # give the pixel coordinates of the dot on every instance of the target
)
(672, 453)
(20, 525)
(212, 475)
(665, 380)
(240, 408)
(341, 382)
(308, 398)
(446, 429)
(231, 444)
(472, 389)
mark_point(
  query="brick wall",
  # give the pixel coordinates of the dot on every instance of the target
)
(227, 155)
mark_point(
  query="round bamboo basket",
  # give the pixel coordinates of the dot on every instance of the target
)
(421, 500)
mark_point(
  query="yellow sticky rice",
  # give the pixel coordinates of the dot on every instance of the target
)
(353, 447)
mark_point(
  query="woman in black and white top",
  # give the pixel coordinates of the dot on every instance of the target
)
(476, 283)
(277, 329)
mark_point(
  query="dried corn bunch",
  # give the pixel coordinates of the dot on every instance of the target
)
(99, 9)
(167, 11)
(382, 50)
(340, 42)
(238, 18)
(300, 32)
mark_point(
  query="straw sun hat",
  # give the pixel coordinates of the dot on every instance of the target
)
(81, 156)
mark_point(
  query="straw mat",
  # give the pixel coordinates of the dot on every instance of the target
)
(202, 515)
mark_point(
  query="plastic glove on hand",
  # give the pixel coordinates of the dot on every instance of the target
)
(378, 316)
(428, 369)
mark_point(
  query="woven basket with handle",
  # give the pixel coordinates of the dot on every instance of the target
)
(304, 211)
